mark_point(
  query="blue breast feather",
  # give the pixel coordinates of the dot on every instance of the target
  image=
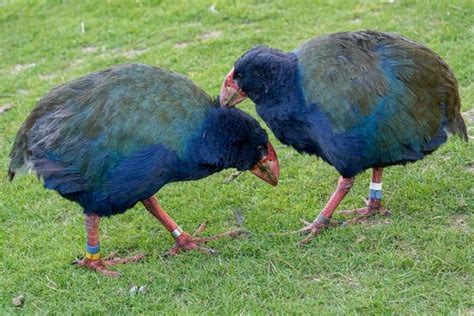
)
(127, 181)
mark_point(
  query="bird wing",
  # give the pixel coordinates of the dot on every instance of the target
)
(84, 128)
(395, 89)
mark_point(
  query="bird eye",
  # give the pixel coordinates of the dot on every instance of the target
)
(260, 148)
(238, 76)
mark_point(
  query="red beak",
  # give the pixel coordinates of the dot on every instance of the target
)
(268, 168)
(231, 94)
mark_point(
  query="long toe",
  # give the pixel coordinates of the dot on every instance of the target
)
(190, 242)
(114, 261)
(364, 215)
(107, 272)
(311, 230)
(234, 233)
(172, 252)
(308, 238)
(100, 265)
(96, 265)
(363, 211)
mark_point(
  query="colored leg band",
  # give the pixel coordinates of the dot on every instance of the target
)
(323, 219)
(95, 256)
(177, 232)
(93, 252)
(93, 249)
(376, 186)
(375, 194)
(375, 191)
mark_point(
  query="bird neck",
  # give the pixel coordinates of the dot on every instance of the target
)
(280, 82)
(285, 96)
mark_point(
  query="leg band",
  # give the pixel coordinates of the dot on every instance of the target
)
(177, 232)
(322, 219)
(375, 194)
(93, 252)
(375, 191)
(376, 186)
(93, 249)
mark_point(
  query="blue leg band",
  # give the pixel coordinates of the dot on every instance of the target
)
(93, 249)
(375, 194)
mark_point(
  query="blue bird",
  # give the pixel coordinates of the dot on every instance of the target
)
(357, 100)
(115, 137)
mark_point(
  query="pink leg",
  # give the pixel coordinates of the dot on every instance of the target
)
(324, 218)
(92, 260)
(184, 241)
(374, 203)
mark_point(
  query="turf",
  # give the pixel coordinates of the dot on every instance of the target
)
(420, 260)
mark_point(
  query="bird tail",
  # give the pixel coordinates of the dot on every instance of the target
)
(457, 125)
(18, 153)
(460, 127)
(11, 175)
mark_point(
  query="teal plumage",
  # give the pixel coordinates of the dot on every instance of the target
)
(115, 137)
(122, 102)
(369, 78)
(358, 100)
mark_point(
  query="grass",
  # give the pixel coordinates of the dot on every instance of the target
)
(418, 261)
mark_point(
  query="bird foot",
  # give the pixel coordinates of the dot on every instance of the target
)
(313, 229)
(100, 265)
(364, 213)
(192, 242)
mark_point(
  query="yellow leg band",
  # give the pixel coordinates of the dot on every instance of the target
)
(95, 256)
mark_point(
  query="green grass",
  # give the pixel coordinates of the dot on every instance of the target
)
(418, 261)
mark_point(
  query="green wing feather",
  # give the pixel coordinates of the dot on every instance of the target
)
(360, 77)
(118, 111)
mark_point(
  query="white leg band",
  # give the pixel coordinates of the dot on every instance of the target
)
(177, 232)
(375, 186)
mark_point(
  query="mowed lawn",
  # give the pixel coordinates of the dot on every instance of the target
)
(419, 260)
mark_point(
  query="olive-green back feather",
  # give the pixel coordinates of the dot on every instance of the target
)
(118, 110)
(354, 75)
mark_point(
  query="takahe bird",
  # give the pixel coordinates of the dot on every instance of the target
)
(358, 100)
(115, 137)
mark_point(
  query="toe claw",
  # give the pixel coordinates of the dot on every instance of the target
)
(207, 251)
(236, 233)
(200, 229)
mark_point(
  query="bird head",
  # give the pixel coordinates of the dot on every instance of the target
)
(267, 166)
(234, 139)
(256, 74)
